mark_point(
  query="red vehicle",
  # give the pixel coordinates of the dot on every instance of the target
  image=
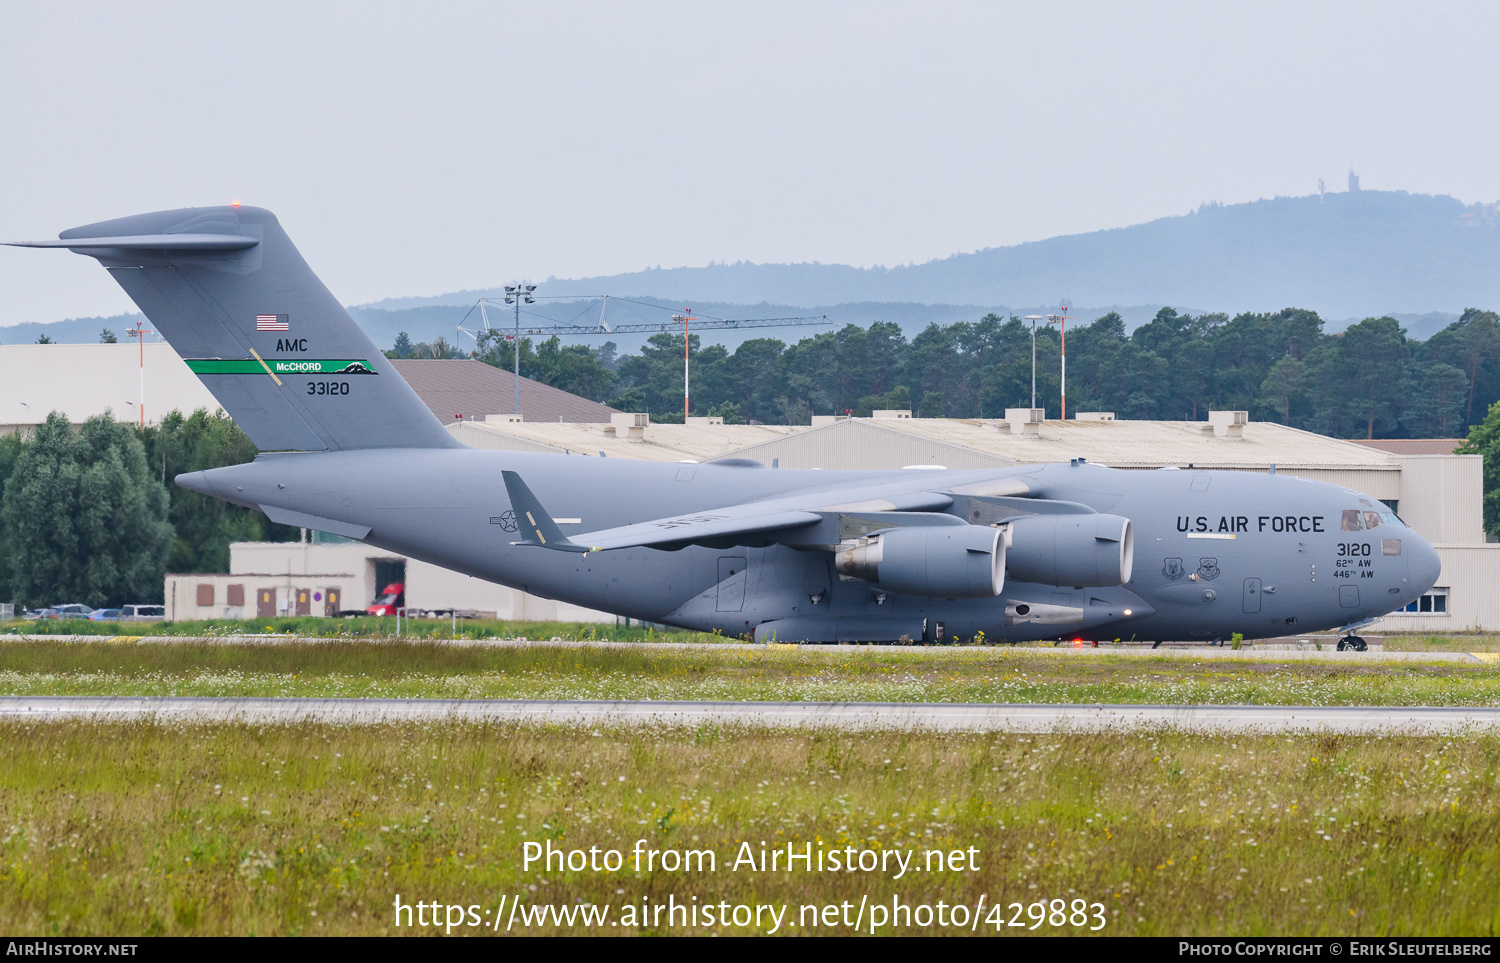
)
(389, 601)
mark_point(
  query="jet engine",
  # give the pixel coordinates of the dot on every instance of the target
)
(940, 561)
(1093, 550)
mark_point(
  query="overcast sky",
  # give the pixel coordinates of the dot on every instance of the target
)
(417, 148)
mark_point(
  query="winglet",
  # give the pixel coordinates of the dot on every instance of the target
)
(536, 526)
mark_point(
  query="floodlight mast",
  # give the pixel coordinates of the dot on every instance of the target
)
(686, 321)
(515, 294)
(1033, 318)
(1062, 321)
(139, 332)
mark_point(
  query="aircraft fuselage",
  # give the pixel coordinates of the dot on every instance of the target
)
(1215, 552)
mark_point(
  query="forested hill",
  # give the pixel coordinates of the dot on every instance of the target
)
(1415, 257)
(1347, 255)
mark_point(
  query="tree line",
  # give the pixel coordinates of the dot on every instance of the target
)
(90, 515)
(1367, 381)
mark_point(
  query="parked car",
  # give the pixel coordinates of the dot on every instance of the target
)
(104, 615)
(71, 611)
(143, 613)
(47, 612)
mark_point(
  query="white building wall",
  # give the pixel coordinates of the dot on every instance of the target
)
(183, 601)
(300, 558)
(1442, 497)
(1471, 574)
(1380, 483)
(83, 380)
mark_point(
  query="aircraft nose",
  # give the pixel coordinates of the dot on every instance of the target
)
(1425, 566)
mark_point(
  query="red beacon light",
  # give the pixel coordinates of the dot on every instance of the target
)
(234, 203)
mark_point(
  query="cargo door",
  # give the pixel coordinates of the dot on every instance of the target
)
(731, 583)
(1252, 595)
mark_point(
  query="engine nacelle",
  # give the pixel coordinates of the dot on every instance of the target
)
(939, 561)
(1080, 550)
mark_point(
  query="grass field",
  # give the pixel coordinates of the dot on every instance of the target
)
(1442, 643)
(869, 674)
(385, 628)
(142, 828)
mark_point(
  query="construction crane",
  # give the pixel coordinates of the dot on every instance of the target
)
(602, 327)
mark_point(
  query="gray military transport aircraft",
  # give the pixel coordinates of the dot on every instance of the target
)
(1073, 551)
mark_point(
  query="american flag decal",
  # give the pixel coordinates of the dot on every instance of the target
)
(273, 322)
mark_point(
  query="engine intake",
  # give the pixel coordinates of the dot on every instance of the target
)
(946, 561)
(1093, 550)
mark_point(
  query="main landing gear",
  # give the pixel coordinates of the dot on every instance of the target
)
(1352, 642)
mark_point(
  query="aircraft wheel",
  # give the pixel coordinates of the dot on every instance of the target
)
(1357, 643)
(1340, 646)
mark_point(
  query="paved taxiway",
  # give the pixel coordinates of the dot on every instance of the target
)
(844, 715)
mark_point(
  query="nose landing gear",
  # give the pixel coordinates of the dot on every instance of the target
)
(1352, 642)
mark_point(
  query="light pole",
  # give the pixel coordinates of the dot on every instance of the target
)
(1033, 318)
(686, 320)
(139, 332)
(1062, 321)
(515, 294)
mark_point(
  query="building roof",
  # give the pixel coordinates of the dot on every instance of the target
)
(951, 442)
(1127, 444)
(1413, 446)
(660, 442)
(473, 389)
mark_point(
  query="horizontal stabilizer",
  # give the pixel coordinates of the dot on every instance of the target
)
(150, 242)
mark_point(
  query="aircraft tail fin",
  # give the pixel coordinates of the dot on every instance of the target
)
(228, 290)
(536, 526)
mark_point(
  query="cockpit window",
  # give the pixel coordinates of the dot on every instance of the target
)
(1366, 502)
(1352, 520)
(1390, 546)
(1372, 519)
(1390, 518)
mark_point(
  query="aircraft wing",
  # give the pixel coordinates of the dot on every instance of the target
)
(731, 522)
